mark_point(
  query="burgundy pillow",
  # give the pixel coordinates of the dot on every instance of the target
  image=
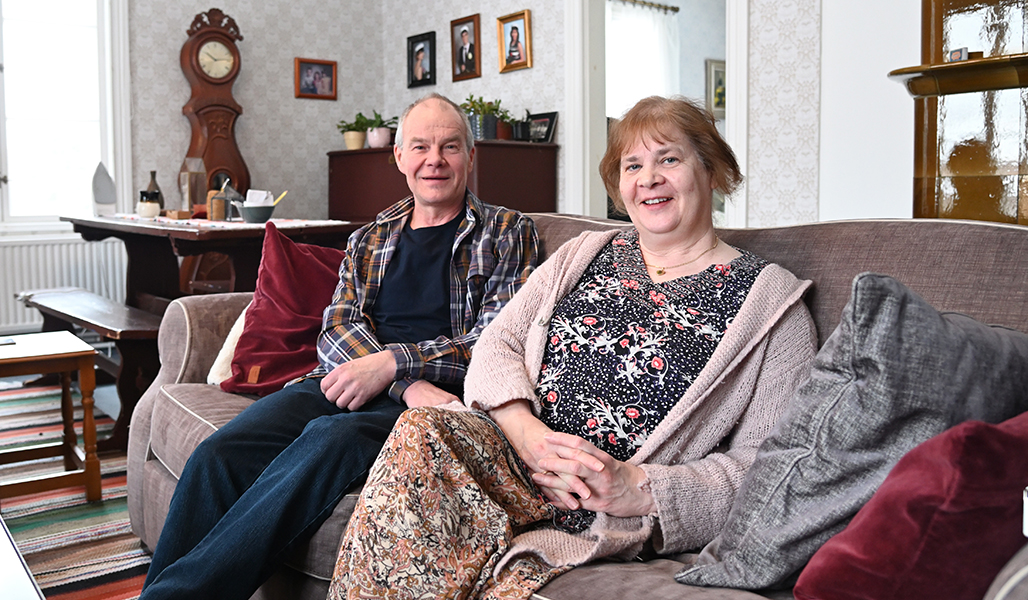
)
(942, 525)
(295, 283)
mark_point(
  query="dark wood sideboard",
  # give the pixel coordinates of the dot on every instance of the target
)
(519, 175)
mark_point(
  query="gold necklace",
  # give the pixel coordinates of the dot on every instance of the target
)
(662, 270)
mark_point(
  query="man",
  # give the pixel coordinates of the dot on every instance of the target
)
(466, 53)
(416, 288)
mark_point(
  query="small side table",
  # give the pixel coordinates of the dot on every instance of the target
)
(56, 352)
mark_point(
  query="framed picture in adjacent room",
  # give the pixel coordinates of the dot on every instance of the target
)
(541, 127)
(314, 78)
(466, 43)
(716, 87)
(421, 60)
(514, 34)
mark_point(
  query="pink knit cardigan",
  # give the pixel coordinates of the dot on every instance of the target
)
(696, 458)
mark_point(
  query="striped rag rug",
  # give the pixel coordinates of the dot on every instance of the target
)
(76, 550)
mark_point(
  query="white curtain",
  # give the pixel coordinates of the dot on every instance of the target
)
(642, 54)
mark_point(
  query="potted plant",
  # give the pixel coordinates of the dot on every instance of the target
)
(354, 132)
(504, 125)
(380, 131)
(483, 116)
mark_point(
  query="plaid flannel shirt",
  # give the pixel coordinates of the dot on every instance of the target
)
(493, 254)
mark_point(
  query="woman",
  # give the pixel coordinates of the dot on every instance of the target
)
(419, 67)
(515, 50)
(631, 380)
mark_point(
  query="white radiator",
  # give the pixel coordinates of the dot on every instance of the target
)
(29, 264)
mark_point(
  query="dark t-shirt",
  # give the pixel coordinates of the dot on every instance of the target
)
(413, 304)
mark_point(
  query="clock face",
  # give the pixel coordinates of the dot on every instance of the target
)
(216, 59)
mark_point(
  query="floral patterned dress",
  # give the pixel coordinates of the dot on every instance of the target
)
(650, 339)
(448, 493)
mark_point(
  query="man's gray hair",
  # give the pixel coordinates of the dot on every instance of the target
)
(469, 138)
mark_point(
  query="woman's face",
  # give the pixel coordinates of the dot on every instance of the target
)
(665, 187)
(514, 35)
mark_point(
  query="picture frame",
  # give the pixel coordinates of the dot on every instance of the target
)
(515, 47)
(467, 61)
(541, 127)
(716, 87)
(313, 78)
(421, 60)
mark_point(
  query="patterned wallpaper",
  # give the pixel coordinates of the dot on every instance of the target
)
(784, 111)
(538, 89)
(283, 139)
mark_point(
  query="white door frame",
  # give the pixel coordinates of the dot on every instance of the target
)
(585, 122)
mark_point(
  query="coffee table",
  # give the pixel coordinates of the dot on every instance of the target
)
(56, 352)
(18, 583)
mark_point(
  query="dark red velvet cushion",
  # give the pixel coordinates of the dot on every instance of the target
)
(295, 283)
(942, 525)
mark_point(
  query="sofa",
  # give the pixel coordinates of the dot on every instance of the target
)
(975, 268)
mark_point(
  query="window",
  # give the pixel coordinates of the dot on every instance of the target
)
(642, 55)
(55, 109)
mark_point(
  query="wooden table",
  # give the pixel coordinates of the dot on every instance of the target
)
(153, 246)
(152, 280)
(18, 583)
(56, 352)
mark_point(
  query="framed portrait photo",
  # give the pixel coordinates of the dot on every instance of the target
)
(465, 40)
(716, 88)
(541, 127)
(315, 78)
(514, 33)
(421, 60)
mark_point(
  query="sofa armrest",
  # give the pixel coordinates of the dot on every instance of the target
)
(192, 332)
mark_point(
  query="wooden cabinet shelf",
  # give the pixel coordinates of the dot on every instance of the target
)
(518, 175)
(975, 75)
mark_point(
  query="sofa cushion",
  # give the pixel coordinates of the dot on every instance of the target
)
(184, 414)
(1012, 581)
(221, 370)
(951, 511)
(295, 283)
(893, 374)
(609, 580)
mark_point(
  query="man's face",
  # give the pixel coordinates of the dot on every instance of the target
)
(434, 156)
(464, 37)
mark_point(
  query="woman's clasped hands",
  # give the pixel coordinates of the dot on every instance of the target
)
(600, 482)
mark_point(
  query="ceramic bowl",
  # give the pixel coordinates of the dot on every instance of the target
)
(148, 210)
(255, 214)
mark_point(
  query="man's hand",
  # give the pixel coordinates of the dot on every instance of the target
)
(423, 393)
(352, 384)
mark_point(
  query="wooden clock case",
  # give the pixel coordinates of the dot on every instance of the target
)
(211, 110)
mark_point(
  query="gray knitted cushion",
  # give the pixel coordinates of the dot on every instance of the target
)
(893, 374)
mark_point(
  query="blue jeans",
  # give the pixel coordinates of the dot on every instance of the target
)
(261, 485)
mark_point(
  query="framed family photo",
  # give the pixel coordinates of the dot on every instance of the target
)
(314, 78)
(716, 87)
(421, 59)
(465, 40)
(514, 33)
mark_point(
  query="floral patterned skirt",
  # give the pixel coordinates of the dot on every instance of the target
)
(440, 508)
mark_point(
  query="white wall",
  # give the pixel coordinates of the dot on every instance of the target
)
(867, 120)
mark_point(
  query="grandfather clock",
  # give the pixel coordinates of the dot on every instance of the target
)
(210, 61)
